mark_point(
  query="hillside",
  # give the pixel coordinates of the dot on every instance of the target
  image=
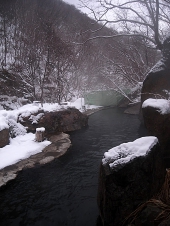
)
(45, 54)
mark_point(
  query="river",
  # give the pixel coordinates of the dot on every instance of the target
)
(64, 191)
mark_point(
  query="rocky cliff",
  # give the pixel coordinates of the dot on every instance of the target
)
(157, 82)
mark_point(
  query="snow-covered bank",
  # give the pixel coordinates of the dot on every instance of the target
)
(20, 147)
(24, 145)
(59, 145)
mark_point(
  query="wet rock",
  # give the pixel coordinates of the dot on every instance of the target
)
(60, 121)
(126, 186)
(46, 160)
(133, 109)
(4, 137)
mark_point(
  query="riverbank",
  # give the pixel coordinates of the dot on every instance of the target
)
(58, 147)
(60, 143)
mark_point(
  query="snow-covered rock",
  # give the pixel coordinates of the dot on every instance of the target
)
(130, 174)
(162, 105)
(56, 121)
(118, 156)
(156, 116)
(16, 129)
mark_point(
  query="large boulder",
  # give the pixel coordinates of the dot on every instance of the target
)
(156, 115)
(157, 82)
(130, 174)
(4, 137)
(57, 121)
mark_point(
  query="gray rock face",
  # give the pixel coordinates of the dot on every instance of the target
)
(123, 188)
(60, 121)
(4, 137)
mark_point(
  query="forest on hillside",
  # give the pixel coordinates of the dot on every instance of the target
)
(48, 52)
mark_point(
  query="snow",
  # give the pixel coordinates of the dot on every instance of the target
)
(24, 145)
(3, 123)
(159, 66)
(11, 102)
(41, 129)
(29, 109)
(36, 118)
(80, 105)
(21, 147)
(16, 129)
(162, 105)
(77, 103)
(120, 155)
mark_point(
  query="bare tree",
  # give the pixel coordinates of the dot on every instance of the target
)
(149, 19)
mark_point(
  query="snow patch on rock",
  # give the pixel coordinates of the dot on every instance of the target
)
(16, 128)
(3, 123)
(162, 105)
(41, 129)
(122, 154)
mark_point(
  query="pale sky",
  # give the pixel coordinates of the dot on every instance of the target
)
(76, 3)
(72, 2)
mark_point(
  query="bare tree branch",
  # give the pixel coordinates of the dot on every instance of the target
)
(145, 15)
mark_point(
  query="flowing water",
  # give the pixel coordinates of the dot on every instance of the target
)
(64, 191)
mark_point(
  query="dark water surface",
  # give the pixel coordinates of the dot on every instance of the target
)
(64, 191)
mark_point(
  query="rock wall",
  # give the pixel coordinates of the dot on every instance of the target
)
(122, 189)
(156, 118)
(157, 86)
(157, 82)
